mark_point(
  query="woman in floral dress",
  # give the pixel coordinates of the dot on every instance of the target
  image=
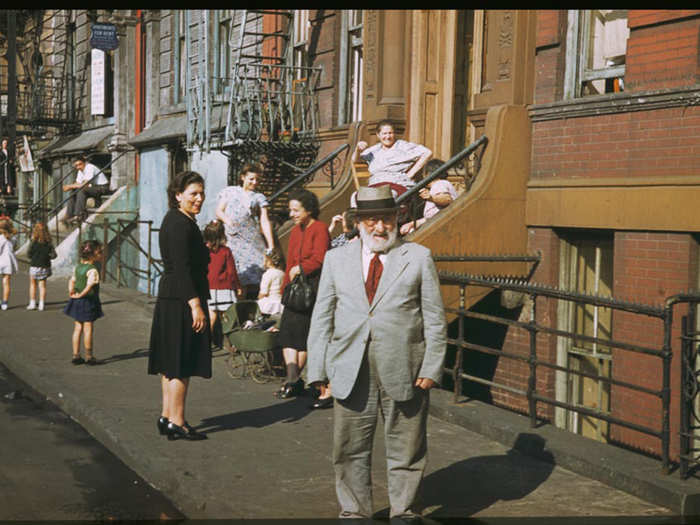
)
(248, 229)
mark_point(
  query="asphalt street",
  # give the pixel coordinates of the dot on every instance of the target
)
(52, 469)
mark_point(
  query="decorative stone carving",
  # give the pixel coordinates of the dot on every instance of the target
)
(505, 45)
(370, 54)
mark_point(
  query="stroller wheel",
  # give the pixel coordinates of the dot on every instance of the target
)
(259, 368)
(236, 366)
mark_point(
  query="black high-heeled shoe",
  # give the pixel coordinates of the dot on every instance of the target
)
(184, 432)
(291, 389)
(163, 425)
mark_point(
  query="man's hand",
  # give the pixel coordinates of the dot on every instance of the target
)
(294, 271)
(425, 383)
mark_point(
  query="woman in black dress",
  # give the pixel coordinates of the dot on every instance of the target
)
(180, 340)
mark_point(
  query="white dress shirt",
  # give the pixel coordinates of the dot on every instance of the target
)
(88, 174)
(367, 256)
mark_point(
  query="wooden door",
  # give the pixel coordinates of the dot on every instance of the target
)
(433, 80)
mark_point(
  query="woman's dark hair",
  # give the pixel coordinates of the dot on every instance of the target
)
(89, 248)
(215, 235)
(179, 184)
(251, 167)
(432, 165)
(308, 200)
(384, 122)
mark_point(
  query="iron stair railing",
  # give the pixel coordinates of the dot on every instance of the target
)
(306, 174)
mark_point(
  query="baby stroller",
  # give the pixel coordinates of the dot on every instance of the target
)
(249, 341)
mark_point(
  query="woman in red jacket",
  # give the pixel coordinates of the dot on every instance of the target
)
(308, 243)
(224, 284)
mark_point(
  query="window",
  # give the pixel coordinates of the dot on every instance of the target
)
(596, 47)
(144, 105)
(350, 95)
(301, 39)
(180, 57)
(587, 267)
(224, 49)
(72, 65)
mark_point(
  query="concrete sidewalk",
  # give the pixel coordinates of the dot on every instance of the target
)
(270, 458)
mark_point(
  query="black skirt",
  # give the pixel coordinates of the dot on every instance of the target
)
(294, 329)
(176, 351)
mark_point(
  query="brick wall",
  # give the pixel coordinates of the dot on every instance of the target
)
(549, 60)
(663, 56)
(648, 268)
(660, 143)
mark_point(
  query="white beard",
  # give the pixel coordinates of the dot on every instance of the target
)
(377, 244)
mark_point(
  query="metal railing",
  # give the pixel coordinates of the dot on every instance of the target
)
(44, 100)
(122, 231)
(300, 179)
(689, 458)
(40, 211)
(411, 195)
(534, 361)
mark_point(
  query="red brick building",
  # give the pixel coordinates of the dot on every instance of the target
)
(613, 190)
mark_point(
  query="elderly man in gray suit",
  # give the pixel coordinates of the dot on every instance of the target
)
(378, 334)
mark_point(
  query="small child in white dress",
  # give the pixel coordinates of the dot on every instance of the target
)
(270, 295)
(8, 261)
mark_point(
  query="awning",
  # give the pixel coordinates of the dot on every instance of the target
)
(166, 129)
(84, 142)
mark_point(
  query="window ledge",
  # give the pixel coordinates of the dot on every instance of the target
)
(615, 103)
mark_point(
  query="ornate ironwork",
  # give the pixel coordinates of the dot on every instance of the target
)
(690, 384)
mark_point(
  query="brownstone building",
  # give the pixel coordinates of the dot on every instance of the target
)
(601, 178)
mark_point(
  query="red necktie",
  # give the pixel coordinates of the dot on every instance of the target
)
(373, 275)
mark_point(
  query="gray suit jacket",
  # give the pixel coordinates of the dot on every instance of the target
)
(406, 321)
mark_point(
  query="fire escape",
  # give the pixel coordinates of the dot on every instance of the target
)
(264, 108)
(37, 83)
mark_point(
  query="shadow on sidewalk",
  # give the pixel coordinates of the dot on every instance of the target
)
(136, 354)
(487, 479)
(287, 412)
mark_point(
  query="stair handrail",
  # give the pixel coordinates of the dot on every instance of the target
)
(481, 141)
(299, 179)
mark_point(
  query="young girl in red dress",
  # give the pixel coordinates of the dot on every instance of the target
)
(224, 285)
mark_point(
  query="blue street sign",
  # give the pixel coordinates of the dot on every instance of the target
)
(104, 37)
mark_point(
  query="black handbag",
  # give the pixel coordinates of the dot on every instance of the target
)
(300, 294)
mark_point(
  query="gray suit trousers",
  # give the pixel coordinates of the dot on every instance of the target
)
(405, 440)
